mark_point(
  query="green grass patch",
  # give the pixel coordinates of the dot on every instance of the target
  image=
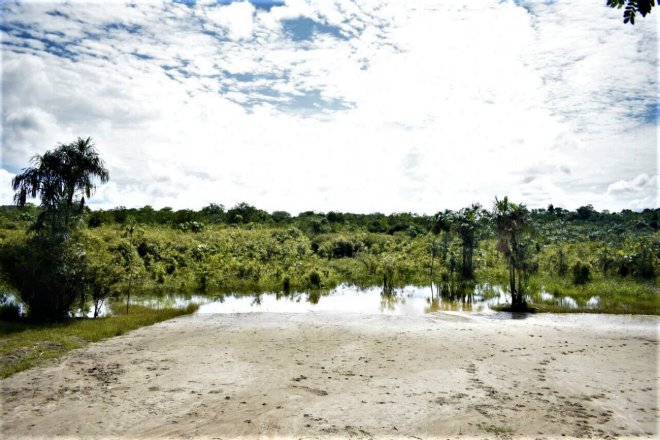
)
(614, 295)
(24, 345)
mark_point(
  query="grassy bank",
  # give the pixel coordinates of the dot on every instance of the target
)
(24, 345)
(600, 295)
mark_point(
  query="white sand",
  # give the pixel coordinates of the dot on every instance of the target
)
(347, 375)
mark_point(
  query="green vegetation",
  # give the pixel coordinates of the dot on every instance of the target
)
(319, 251)
(61, 258)
(49, 269)
(24, 345)
(511, 225)
(632, 7)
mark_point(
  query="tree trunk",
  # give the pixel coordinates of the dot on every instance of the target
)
(432, 261)
(128, 297)
(512, 285)
(467, 262)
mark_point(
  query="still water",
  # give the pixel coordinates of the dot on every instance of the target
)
(408, 300)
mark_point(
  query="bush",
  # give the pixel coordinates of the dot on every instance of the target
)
(10, 312)
(191, 226)
(47, 273)
(581, 273)
(315, 280)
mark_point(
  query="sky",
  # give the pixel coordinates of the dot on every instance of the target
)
(365, 106)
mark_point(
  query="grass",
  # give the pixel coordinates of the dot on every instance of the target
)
(616, 295)
(24, 345)
(497, 430)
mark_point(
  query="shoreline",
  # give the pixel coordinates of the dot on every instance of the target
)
(331, 375)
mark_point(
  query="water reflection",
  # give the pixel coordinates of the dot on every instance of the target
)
(567, 301)
(390, 300)
(408, 300)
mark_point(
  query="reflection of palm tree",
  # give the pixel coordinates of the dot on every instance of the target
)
(256, 301)
(452, 297)
(313, 297)
(434, 306)
(389, 299)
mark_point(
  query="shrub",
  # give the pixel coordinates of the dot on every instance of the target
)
(9, 312)
(581, 273)
(47, 273)
(191, 226)
(314, 279)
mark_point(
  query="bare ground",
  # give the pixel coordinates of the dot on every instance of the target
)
(319, 375)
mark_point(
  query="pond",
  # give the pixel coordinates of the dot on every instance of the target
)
(407, 300)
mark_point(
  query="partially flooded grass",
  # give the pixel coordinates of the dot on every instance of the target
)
(607, 295)
(24, 345)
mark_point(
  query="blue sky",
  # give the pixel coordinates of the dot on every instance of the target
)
(352, 106)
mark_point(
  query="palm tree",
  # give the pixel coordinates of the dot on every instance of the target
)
(511, 221)
(63, 177)
(50, 269)
(466, 222)
(632, 7)
(442, 224)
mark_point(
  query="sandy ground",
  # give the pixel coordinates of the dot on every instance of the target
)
(343, 375)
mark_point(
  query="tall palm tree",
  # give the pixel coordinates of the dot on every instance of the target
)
(62, 177)
(466, 222)
(511, 221)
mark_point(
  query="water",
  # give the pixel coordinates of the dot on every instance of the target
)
(408, 300)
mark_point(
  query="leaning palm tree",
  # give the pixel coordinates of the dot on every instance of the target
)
(62, 177)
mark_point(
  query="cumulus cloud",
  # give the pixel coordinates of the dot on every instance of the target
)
(641, 182)
(356, 106)
(237, 19)
(638, 192)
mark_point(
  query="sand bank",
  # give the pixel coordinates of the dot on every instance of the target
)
(343, 375)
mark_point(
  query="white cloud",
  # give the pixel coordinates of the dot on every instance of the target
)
(638, 192)
(640, 183)
(6, 193)
(409, 109)
(236, 18)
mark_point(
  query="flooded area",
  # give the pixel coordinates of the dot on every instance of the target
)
(409, 300)
(465, 374)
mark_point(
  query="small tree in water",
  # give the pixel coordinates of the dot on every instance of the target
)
(512, 222)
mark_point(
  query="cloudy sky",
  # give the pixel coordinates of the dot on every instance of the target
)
(338, 105)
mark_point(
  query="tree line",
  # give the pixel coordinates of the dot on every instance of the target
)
(71, 255)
